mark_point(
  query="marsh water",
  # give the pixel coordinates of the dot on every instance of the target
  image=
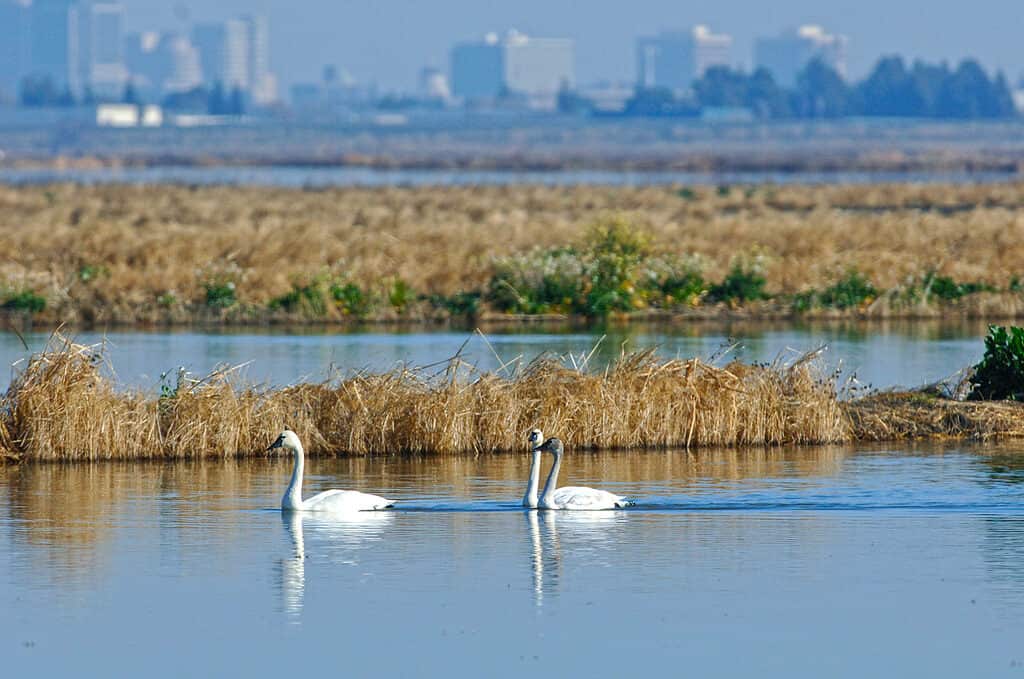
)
(812, 562)
(878, 355)
(900, 560)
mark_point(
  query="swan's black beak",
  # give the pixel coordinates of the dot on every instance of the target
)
(276, 444)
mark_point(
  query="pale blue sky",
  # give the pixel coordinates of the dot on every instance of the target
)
(390, 40)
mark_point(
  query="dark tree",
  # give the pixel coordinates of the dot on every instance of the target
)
(822, 93)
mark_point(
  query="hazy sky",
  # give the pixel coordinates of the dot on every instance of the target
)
(390, 40)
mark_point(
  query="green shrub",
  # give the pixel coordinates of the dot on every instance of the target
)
(686, 193)
(741, 284)
(460, 304)
(538, 282)
(1000, 374)
(220, 294)
(400, 295)
(351, 299)
(308, 299)
(670, 281)
(944, 287)
(25, 300)
(851, 291)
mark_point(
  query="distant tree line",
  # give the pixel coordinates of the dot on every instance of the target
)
(892, 89)
(41, 91)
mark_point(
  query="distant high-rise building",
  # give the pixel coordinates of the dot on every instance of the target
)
(161, 64)
(434, 85)
(54, 43)
(538, 67)
(478, 68)
(14, 47)
(674, 59)
(519, 65)
(262, 83)
(786, 55)
(101, 48)
(236, 54)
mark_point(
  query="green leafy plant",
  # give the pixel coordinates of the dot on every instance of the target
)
(852, 290)
(25, 300)
(400, 295)
(1000, 374)
(741, 284)
(351, 299)
(308, 298)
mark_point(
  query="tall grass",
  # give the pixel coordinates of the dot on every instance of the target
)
(97, 254)
(63, 406)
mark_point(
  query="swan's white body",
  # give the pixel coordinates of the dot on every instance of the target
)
(327, 501)
(573, 497)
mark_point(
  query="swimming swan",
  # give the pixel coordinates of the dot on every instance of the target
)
(573, 497)
(530, 499)
(327, 501)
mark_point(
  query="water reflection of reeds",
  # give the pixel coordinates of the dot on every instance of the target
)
(68, 515)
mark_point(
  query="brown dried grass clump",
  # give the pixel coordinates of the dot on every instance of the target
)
(63, 407)
(912, 415)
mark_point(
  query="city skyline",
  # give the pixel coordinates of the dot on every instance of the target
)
(389, 42)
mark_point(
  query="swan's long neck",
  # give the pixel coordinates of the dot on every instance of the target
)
(547, 497)
(293, 496)
(530, 499)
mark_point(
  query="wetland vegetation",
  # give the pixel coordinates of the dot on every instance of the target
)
(101, 255)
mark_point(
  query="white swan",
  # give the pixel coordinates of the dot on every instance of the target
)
(530, 499)
(573, 497)
(327, 501)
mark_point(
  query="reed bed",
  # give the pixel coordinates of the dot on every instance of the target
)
(63, 405)
(173, 254)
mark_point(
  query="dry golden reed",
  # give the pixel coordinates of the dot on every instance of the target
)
(62, 406)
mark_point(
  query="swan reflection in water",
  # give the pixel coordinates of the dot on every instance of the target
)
(340, 536)
(587, 539)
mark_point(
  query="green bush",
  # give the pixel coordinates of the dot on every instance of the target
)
(944, 287)
(220, 294)
(400, 295)
(351, 299)
(851, 291)
(741, 284)
(25, 300)
(308, 299)
(459, 304)
(538, 282)
(1000, 374)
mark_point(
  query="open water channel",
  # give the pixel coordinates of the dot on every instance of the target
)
(900, 560)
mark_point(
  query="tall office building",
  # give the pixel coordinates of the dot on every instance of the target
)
(262, 83)
(674, 59)
(101, 48)
(54, 43)
(538, 67)
(787, 54)
(162, 64)
(14, 47)
(518, 64)
(236, 54)
(478, 68)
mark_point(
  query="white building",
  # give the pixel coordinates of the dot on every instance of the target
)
(517, 65)
(161, 64)
(101, 48)
(236, 54)
(674, 59)
(788, 54)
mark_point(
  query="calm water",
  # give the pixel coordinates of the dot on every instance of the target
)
(882, 355)
(815, 562)
(297, 176)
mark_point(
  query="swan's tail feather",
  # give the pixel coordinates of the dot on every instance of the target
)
(625, 502)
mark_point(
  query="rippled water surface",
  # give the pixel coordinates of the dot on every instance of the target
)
(812, 562)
